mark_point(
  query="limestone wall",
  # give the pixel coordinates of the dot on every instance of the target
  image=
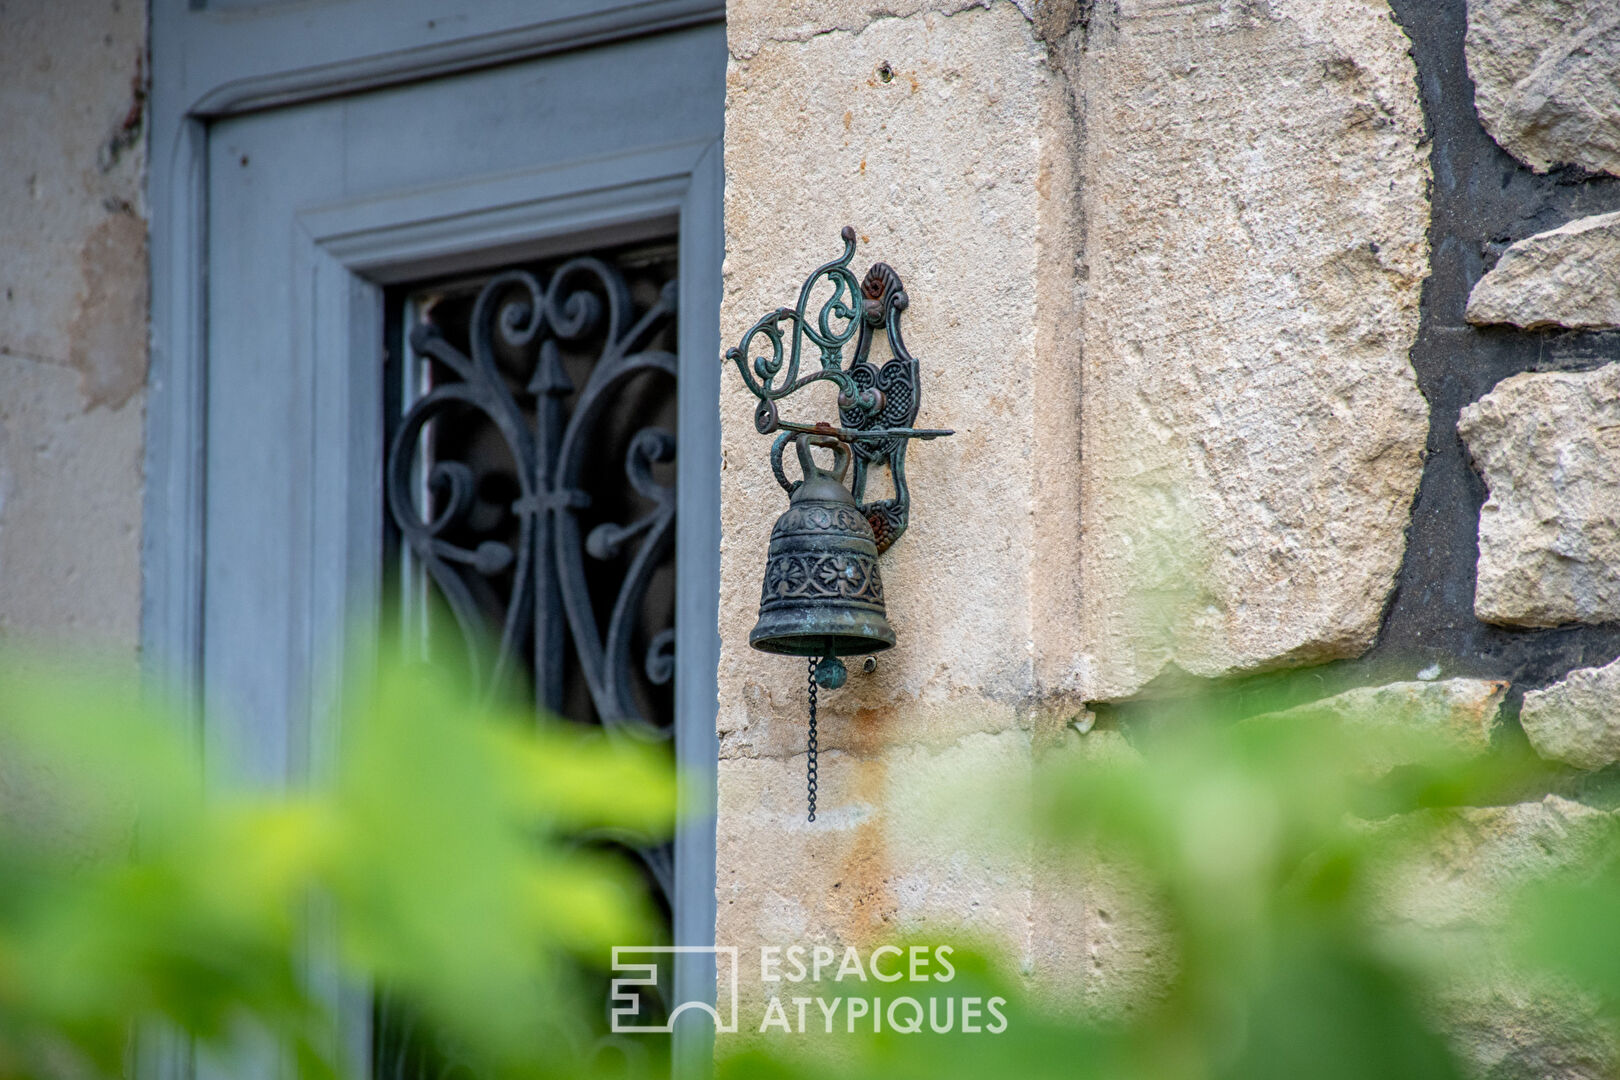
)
(73, 319)
(1278, 336)
(947, 139)
(1165, 264)
(1192, 282)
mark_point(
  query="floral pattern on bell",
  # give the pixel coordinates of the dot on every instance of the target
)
(809, 519)
(822, 594)
(799, 577)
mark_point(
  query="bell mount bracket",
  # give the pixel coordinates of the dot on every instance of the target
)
(877, 404)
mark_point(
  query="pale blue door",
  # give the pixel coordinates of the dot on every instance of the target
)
(353, 158)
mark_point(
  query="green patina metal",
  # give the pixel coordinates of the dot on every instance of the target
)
(823, 593)
(877, 404)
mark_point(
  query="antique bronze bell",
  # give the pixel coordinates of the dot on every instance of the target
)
(823, 594)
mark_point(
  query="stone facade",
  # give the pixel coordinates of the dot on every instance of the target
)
(73, 322)
(1275, 336)
(1191, 365)
(1231, 247)
(982, 228)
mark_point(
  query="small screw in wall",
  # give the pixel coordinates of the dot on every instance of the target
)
(869, 665)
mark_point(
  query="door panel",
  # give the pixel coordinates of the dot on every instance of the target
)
(310, 208)
(264, 169)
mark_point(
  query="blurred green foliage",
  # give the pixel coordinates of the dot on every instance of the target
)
(448, 861)
(442, 861)
(1256, 843)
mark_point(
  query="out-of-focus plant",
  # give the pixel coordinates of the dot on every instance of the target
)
(441, 861)
(1258, 844)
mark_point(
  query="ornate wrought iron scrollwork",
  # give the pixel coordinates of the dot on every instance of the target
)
(877, 403)
(530, 478)
(534, 551)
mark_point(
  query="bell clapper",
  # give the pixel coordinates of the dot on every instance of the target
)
(831, 672)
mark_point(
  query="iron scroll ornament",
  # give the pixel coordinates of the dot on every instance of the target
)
(549, 444)
(530, 480)
(877, 404)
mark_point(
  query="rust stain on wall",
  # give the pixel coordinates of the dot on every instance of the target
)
(862, 901)
(868, 733)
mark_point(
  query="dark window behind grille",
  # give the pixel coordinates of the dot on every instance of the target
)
(530, 487)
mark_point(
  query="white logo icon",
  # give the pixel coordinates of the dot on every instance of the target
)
(626, 999)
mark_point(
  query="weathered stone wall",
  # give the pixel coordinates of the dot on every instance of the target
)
(946, 139)
(1255, 244)
(1276, 335)
(73, 319)
(1165, 264)
(1208, 292)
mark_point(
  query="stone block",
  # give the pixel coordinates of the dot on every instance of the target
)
(1456, 714)
(1577, 719)
(1445, 891)
(1255, 246)
(1567, 277)
(1548, 445)
(1457, 869)
(1544, 82)
(946, 171)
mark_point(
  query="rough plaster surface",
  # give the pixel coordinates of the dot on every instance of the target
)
(73, 280)
(1254, 249)
(1567, 277)
(1544, 79)
(73, 331)
(1577, 720)
(70, 511)
(1458, 714)
(1548, 445)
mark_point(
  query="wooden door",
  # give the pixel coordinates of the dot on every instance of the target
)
(313, 164)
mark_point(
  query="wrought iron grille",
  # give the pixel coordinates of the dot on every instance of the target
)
(530, 489)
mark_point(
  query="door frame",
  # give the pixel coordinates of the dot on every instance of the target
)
(208, 65)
